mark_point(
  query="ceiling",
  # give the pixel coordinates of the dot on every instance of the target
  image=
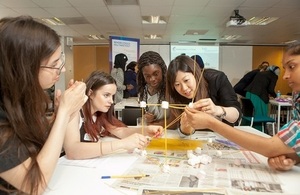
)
(207, 17)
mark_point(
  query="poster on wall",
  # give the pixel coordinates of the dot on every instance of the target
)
(128, 46)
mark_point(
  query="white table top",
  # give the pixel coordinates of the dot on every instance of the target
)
(132, 101)
(275, 102)
(73, 177)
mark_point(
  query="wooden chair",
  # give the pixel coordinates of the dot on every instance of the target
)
(248, 115)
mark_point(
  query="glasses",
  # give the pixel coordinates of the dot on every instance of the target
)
(62, 60)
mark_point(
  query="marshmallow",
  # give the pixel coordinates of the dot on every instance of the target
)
(165, 168)
(165, 104)
(205, 159)
(209, 140)
(191, 155)
(219, 153)
(140, 152)
(191, 105)
(193, 161)
(143, 104)
(198, 150)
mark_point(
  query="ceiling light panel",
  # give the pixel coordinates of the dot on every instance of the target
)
(153, 36)
(154, 20)
(261, 20)
(121, 2)
(53, 21)
(230, 37)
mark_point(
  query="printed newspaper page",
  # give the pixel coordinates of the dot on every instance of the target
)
(231, 169)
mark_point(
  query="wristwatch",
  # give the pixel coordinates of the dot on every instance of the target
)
(223, 115)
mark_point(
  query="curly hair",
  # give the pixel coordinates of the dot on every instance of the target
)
(146, 59)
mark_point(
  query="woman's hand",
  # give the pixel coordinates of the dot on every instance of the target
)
(154, 131)
(150, 118)
(58, 94)
(198, 119)
(73, 98)
(135, 140)
(207, 105)
(281, 163)
(185, 127)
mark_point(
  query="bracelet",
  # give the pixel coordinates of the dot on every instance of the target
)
(223, 115)
(183, 133)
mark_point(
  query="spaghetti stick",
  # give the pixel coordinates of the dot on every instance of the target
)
(198, 85)
(176, 107)
(175, 120)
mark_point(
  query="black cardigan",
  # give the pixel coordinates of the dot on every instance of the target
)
(221, 91)
(263, 84)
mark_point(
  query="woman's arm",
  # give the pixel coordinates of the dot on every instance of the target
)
(130, 139)
(269, 147)
(231, 114)
(71, 101)
(151, 130)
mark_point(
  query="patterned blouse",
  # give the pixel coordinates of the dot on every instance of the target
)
(290, 132)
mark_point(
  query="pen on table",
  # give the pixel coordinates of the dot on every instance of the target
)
(124, 176)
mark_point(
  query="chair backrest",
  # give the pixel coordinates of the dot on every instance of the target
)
(247, 107)
(129, 115)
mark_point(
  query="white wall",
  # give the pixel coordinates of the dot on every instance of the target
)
(163, 50)
(235, 61)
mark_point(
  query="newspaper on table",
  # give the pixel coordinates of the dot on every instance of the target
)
(236, 171)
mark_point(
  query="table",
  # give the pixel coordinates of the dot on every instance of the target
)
(83, 176)
(279, 104)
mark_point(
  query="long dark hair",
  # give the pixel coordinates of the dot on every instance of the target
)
(146, 59)
(184, 64)
(95, 81)
(120, 61)
(24, 44)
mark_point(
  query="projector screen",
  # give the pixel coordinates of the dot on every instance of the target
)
(208, 53)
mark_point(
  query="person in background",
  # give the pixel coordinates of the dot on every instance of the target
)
(259, 90)
(130, 79)
(198, 60)
(31, 60)
(208, 89)
(117, 73)
(283, 149)
(152, 85)
(97, 121)
(239, 88)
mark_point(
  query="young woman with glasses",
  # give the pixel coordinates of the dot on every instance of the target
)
(31, 60)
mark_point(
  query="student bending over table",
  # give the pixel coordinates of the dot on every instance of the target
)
(31, 60)
(152, 85)
(214, 94)
(283, 149)
(96, 120)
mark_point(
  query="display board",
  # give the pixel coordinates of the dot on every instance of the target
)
(128, 46)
